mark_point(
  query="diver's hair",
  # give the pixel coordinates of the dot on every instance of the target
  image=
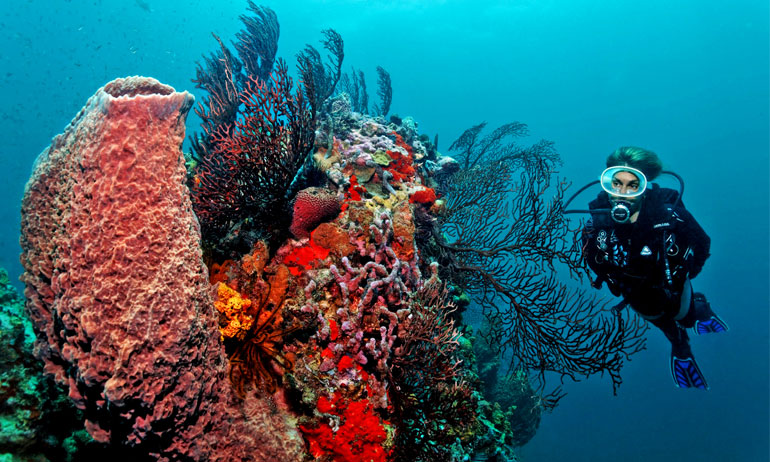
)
(642, 159)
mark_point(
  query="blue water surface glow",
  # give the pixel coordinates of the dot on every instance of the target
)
(687, 79)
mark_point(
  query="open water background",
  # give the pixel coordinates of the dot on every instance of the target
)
(688, 79)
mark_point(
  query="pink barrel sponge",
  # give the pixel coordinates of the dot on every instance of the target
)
(118, 292)
(313, 206)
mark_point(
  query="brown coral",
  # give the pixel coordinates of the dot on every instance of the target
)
(334, 238)
(251, 321)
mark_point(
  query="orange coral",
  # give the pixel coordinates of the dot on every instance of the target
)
(220, 272)
(403, 232)
(334, 238)
(234, 320)
(254, 263)
(257, 358)
(279, 282)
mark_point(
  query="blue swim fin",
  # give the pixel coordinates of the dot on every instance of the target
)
(711, 325)
(686, 373)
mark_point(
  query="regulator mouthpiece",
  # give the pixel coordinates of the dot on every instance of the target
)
(621, 212)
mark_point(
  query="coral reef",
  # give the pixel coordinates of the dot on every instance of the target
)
(37, 420)
(297, 294)
(342, 344)
(365, 349)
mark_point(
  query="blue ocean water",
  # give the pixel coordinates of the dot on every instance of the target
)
(687, 79)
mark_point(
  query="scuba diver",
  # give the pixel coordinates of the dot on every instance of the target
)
(644, 244)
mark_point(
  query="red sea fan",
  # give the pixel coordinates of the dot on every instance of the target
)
(253, 163)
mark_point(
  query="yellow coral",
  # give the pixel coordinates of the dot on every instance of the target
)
(382, 158)
(390, 202)
(234, 321)
(325, 159)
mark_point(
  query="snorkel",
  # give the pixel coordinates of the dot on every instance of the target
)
(624, 201)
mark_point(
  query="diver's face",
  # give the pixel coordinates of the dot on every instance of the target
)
(625, 183)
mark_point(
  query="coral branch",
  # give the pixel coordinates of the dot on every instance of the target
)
(325, 77)
(258, 44)
(502, 242)
(384, 91)
(250, 171)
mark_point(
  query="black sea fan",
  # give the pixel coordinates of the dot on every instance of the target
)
(501, 237)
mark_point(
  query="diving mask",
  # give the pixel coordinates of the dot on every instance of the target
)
(623, 181)
(624, 184)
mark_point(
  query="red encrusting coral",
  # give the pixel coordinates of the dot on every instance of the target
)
(346, 362)
(425, 196)
(355, 190)
(301, 259)
(334, 330)
(401, 167)
(403, 144)
(360, 435)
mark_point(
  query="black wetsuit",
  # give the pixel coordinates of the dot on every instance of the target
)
(649, 261)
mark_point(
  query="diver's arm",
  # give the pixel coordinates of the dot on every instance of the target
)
(589, 255)
(589, 249)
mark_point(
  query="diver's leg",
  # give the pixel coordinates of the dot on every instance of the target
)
(684, 369)
(695, 312)
(680, 341)
(706, 321)
(686, 316)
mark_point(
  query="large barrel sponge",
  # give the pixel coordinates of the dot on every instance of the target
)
(118, 293)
